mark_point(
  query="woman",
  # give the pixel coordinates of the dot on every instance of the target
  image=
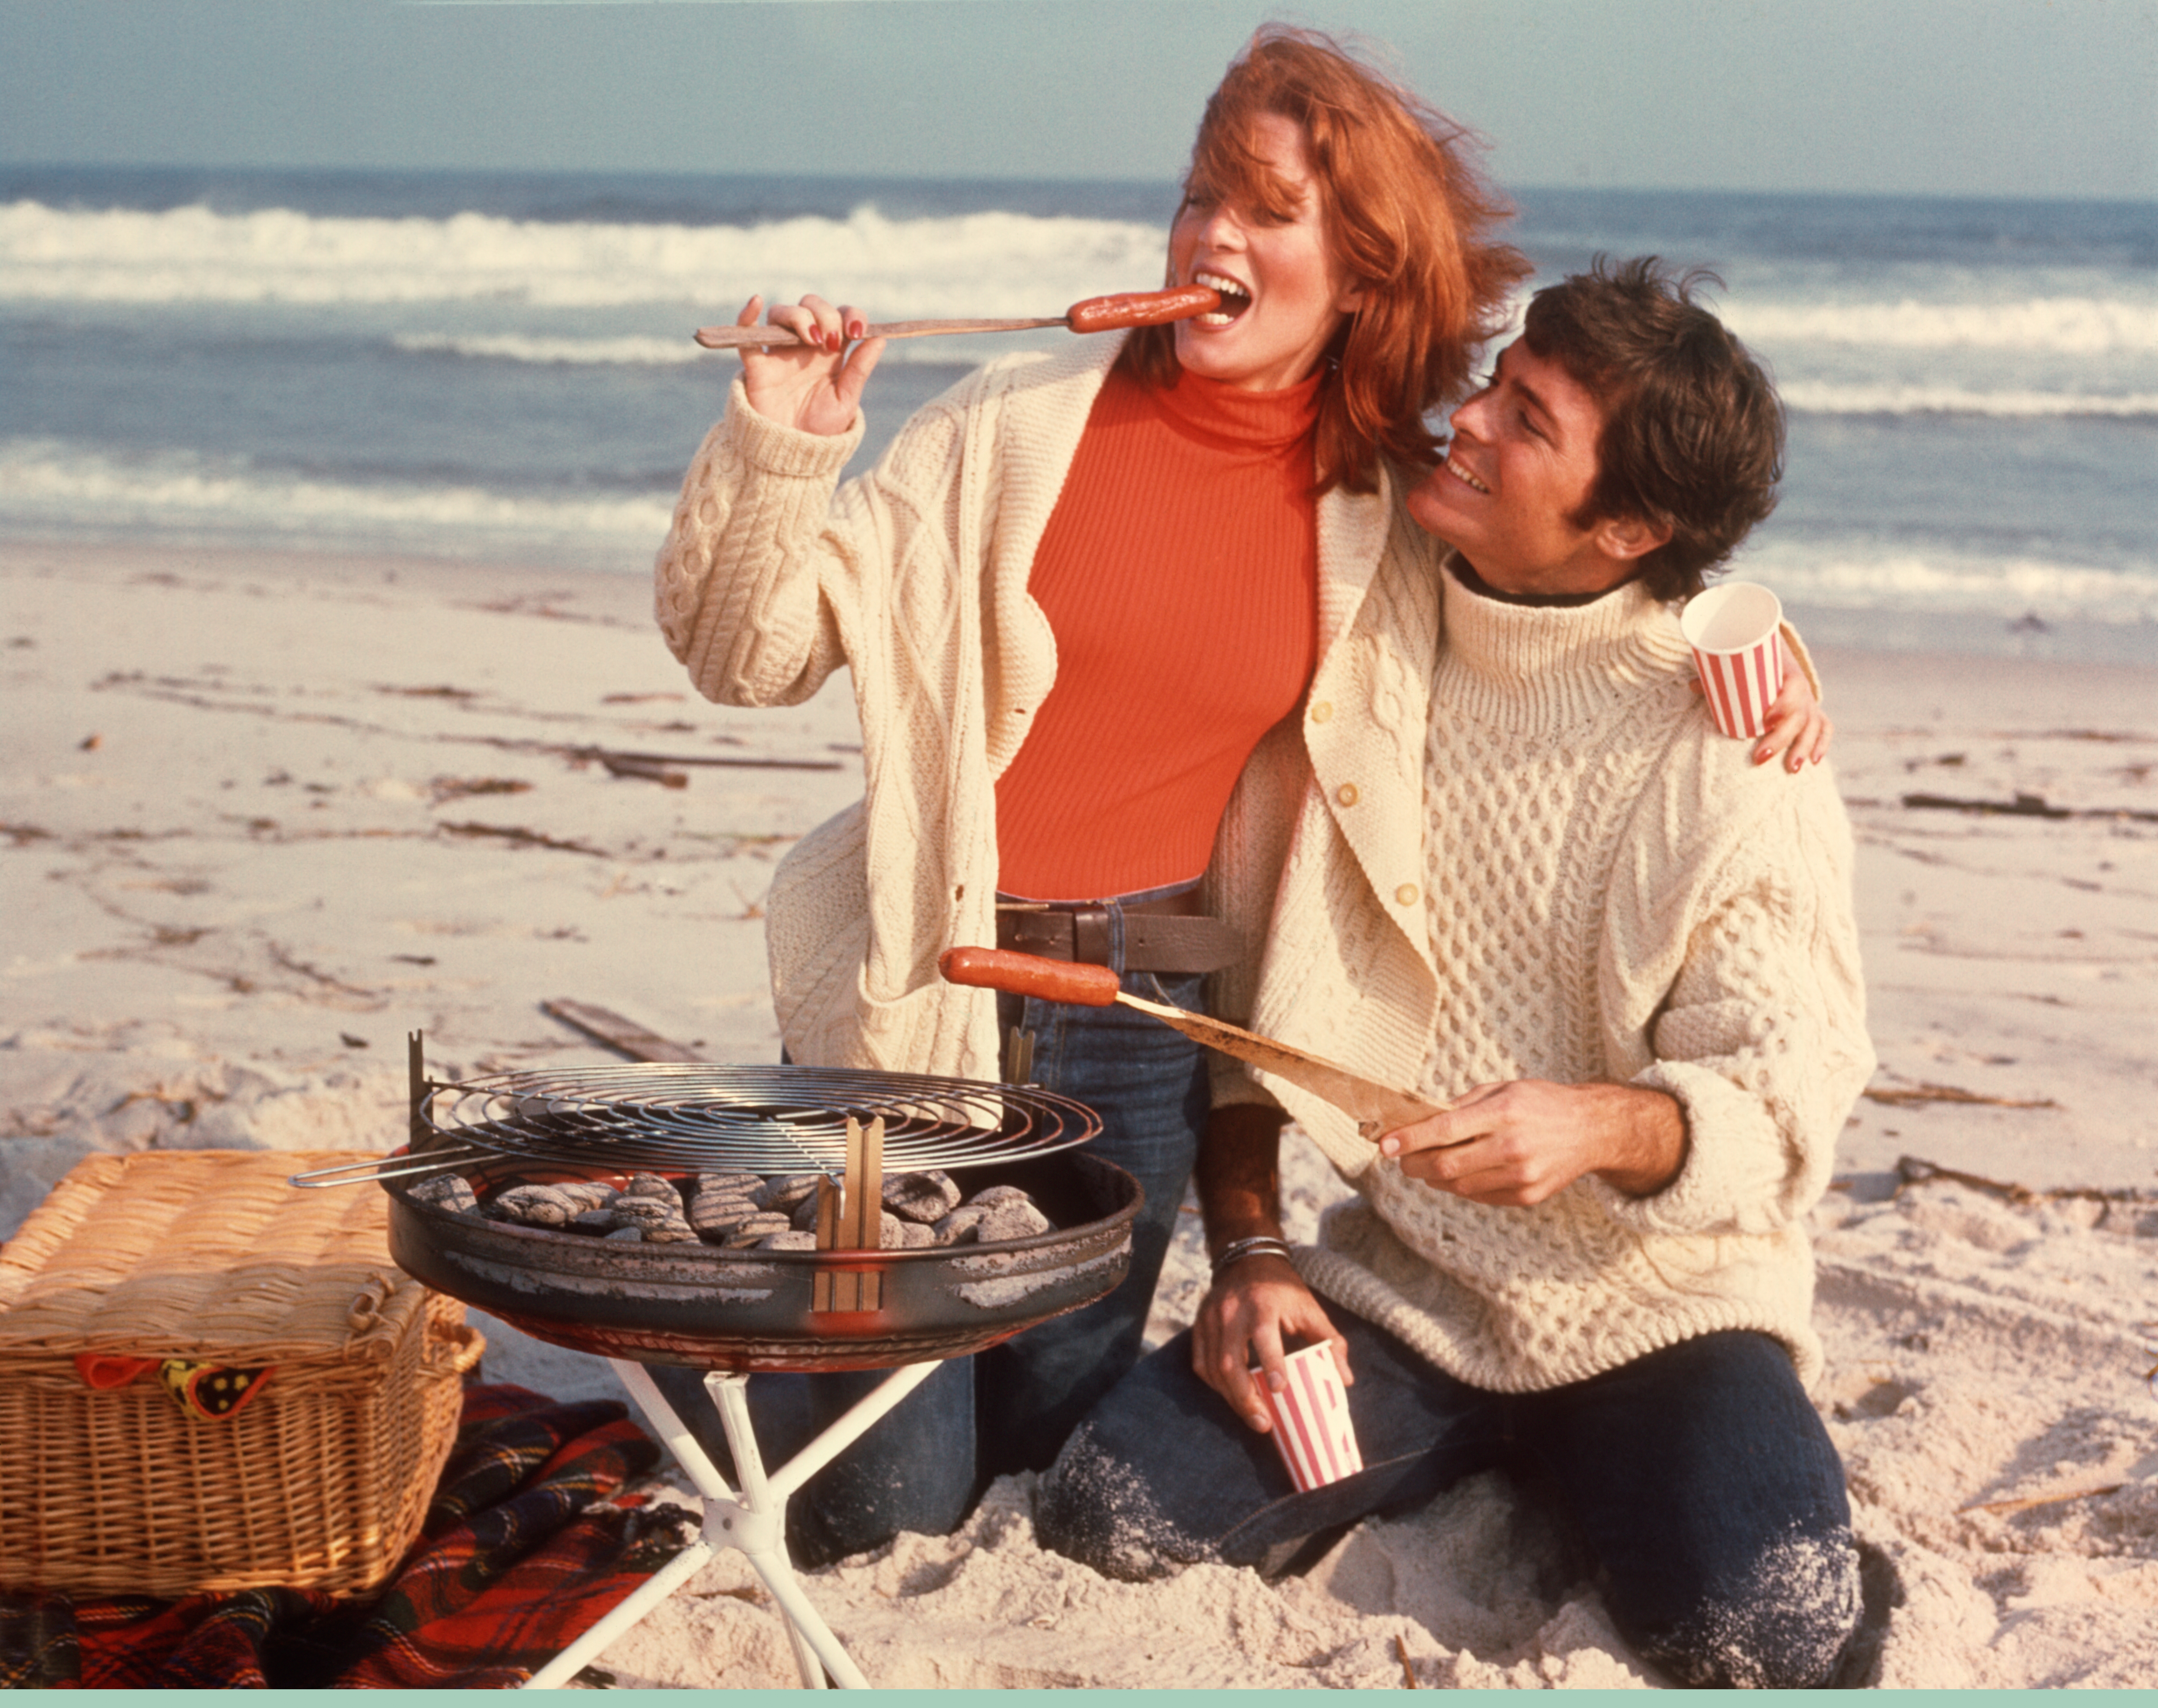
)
(1081, 597)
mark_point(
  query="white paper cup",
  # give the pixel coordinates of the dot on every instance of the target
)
(1312, 1429)
(1732, 630)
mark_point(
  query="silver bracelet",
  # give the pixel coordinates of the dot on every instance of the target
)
(1252, 1245)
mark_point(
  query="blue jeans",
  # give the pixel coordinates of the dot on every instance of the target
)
(924, 1465)
(1699, 1478)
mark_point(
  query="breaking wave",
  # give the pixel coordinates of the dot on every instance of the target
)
(1865, 575)
(998, 263)
(2073, 326)
(45, 483)
(1816, 397)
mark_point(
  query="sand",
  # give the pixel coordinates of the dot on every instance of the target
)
(260, 817)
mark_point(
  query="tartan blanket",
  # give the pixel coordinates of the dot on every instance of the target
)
(530, 1542)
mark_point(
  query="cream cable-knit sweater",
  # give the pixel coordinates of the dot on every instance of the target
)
(914, 578)
(1610, 891)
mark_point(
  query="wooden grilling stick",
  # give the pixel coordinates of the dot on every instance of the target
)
(1095, 314)
(1376, 1108)
(851, 1219)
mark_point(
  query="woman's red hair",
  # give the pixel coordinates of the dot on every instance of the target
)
(1407, 215)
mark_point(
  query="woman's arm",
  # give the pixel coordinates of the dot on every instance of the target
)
(764, 577)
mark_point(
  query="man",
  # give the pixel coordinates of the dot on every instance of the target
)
(1526, 878)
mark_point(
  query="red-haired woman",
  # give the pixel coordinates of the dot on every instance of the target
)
(1081, 596)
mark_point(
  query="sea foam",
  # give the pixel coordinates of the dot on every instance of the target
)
(2075, 326)
(66, 486)
(1817, 397)
(999, 264)
(1892, 575)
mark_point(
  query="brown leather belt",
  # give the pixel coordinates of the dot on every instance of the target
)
(1167, 934)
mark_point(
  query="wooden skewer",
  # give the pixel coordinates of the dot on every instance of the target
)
(733, 337)
(822, 1284)
(851, 1217)
(1095, 314)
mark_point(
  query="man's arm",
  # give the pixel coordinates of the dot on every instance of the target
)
(1757, 1048)
(1257, 1300)
(1520, 1143)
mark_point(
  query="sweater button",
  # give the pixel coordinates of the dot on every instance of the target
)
(1346, 794)
(1321, 711)
(1406, 895)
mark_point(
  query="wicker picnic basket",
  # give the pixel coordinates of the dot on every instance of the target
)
(203, 1272)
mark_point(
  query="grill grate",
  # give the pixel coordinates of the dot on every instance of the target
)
(762, 1120)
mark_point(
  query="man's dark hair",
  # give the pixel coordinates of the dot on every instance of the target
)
(1693, 433)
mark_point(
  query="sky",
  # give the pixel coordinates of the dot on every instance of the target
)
(1950, 97)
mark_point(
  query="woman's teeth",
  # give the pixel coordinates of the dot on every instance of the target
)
(1462, 474)
(1235, 298)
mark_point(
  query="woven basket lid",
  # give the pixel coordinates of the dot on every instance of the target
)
(207, 1255)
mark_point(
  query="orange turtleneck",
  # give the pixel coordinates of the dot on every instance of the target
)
(1180, 574)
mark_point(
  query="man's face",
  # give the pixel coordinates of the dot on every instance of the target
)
(1522, 461)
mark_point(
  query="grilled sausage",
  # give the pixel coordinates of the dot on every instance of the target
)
(1030, 975)
(1140, 308)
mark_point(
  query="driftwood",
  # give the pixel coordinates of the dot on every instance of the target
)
(611, 757)
(1902, 1097)
(617, 1033)
(2024, 806)
(1401, 1655)
(652, 770)
(531, 838)
(1911, 1171)
(2037, 1500)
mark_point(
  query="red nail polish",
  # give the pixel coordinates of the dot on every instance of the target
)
(856, 329)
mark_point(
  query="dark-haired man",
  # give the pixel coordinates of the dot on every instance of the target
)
(1525, 877)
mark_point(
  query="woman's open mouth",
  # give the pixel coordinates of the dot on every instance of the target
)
(1235, 298)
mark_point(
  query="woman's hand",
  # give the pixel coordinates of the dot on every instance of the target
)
(815, 386)
(1252, 1307)
(1797, 728)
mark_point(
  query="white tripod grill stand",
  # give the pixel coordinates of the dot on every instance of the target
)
(754, 1521)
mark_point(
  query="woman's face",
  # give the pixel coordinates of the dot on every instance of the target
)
(1282, 292)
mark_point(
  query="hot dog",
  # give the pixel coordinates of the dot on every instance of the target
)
(1140, 308)
(1030, 975)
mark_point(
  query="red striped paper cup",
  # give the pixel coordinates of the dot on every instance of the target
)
(1732, 629)
(1312, 1428)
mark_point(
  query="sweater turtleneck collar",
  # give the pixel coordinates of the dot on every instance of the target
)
(1550, 667)
(1258, 419)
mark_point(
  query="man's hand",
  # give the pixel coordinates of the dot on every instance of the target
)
(1254, 1305)
(1519, 1144)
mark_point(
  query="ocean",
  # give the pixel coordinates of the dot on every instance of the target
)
(499, 367)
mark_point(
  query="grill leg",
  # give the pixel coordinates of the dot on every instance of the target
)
(649, 1595)
(755, 1522)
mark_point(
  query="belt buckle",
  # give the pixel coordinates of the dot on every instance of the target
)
(1090, 936)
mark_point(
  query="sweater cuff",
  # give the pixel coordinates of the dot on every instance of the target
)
(773, 449)
(1715, 1191)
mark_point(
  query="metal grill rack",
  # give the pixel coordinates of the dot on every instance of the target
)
(700, 1116)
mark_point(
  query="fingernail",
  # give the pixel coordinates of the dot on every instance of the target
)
(1275, 1380)
(856, 328)
(1390, 1147)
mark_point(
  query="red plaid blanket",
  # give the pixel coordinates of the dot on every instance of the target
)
(529, 1542)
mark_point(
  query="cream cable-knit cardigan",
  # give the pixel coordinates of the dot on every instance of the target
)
(914, 577)
(1574, 879)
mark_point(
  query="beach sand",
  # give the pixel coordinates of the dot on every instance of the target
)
(262, 816)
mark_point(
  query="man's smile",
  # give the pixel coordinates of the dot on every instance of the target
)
(1452, 467)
